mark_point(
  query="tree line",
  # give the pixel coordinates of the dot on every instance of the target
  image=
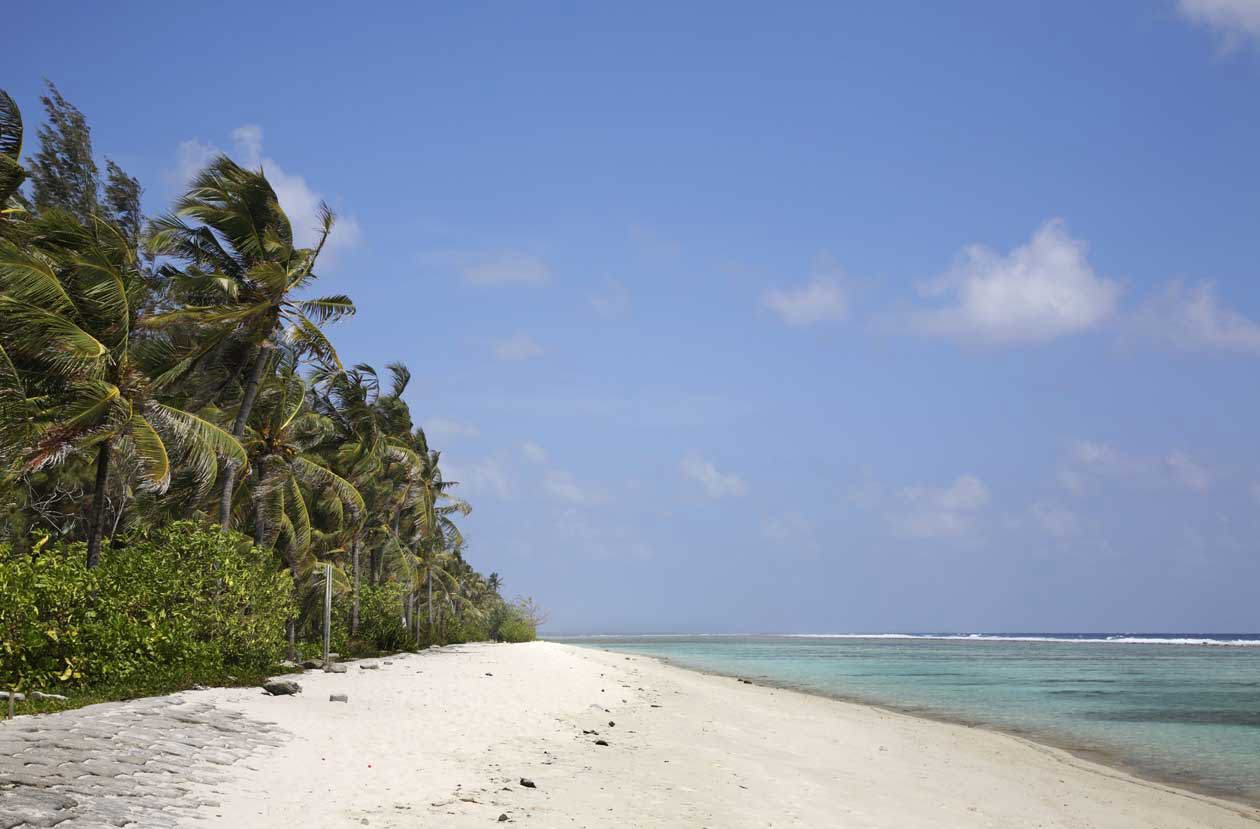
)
(156, 369)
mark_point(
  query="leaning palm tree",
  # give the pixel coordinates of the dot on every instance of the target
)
(11, 173)
(241, 278)
(69, 310)
(289, 476)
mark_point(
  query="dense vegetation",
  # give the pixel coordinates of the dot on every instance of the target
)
(182, 448)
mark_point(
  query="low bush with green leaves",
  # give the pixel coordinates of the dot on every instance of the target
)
(187, 603)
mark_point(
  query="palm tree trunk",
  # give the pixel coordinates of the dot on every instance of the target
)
(430, 581)
(96, 518)
(354, 602)
(238, 429)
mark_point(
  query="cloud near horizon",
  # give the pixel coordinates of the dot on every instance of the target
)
(941, 512)
(298, 199)
(1040, 291)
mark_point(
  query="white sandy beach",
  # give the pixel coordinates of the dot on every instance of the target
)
(443, 738)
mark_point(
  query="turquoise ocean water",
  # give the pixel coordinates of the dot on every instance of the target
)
(1179, 708)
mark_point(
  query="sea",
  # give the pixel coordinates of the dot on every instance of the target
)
(1173, 707)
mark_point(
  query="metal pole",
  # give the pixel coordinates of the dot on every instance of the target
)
(327, 612)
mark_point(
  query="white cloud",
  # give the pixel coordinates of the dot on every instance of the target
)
(488, 476)
(937, 512)
(790, 531)
(444, 428)
(507, 267)
(821, 299)
(1039, 291)
(613, 302)
(298, 199)
(716, 484)
(1193, 318)
(1089, 463)
(1055, 519)
(1234, 20)
(561, 486)
(533, 452)
(519, 347)
(1184, 471)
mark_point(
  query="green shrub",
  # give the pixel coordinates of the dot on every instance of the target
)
(381, 617)
(517, 630)
(189, 602)
(515, 621)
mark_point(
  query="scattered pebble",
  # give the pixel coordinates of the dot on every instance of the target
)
(338, 698)
(503, 817)
(527, 783)
(601, 742)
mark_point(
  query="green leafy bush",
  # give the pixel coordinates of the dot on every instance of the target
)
(381, 617)
(189, 602)
(515, 621)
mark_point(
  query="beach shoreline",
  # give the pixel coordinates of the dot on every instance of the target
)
(450, 733)
(1035, 739)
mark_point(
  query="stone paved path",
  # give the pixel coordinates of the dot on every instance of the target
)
(142, 763)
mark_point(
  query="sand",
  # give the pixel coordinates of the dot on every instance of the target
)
(444, 737)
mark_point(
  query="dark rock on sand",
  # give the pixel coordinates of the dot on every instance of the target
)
(336, 669)
(503, 817)
(527, 783)
(281, 687)
(601, 742)
(338, 698)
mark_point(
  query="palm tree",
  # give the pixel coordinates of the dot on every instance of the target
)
(241, 278)
(11, 172)
(281, 439)
(69, 308)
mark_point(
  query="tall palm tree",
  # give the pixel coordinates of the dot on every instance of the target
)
(281, 439)
(69, 308)
(241, 279)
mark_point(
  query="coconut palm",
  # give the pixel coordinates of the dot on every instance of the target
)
(11, 173)
(240, 283)
(290, 479)
(69, 309)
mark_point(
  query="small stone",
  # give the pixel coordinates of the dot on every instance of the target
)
(489, 674)
(601, 742)
(372, 667)
(338, 698)
(503, 817)
(387, 662)
(281, 687)
(335, 669)
(612, 724)
(527, 783)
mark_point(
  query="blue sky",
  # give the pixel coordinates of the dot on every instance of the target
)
(834, 317)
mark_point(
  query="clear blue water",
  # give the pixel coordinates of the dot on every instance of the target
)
(1168, 706)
